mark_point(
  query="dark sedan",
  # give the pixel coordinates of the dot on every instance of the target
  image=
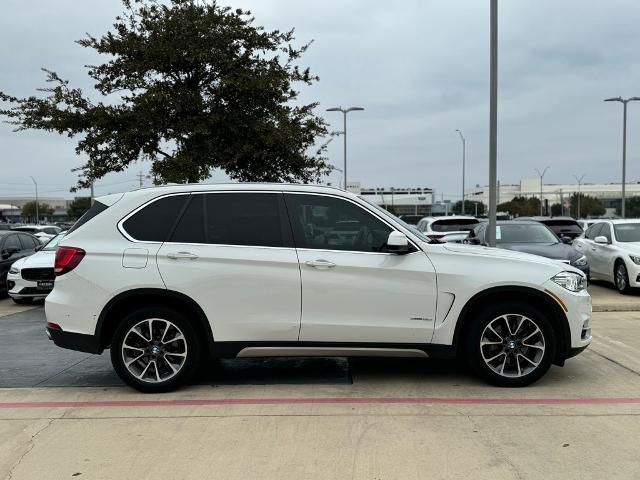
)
(529, 236)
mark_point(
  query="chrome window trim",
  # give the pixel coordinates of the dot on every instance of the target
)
(125, 234)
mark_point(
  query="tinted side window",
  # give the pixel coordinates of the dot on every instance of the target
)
(593, 231)
(12, 242)
(190, 228)
(28, 243)
(95, 210)
(330, 223)
(244, 219)
(153, 222)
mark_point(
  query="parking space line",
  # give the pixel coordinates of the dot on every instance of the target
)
(323, 401)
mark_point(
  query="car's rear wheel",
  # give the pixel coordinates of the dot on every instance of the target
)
(511, 345)
(155, 350)
(621, 277)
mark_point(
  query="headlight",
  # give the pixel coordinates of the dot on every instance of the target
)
(635, 259)
(14, 270)
(582, 262)
(574, 282)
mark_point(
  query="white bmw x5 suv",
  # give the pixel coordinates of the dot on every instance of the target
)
(168, 277)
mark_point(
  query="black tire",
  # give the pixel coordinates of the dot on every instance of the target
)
(515, 359)
(22, 301)
(191, 347)
(621, 278)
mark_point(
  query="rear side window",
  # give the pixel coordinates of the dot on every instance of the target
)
(454, 225)
(28, 242)
(154, 221)
(95, 209)
(12, 242)
(252, 219)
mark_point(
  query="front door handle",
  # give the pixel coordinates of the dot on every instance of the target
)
(320, 264)
(182, 255)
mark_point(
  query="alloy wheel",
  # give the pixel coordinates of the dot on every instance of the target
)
(154, 350)
(621, 277)
(512, 345)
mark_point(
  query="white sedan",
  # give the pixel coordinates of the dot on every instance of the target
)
(31, 278)
(612, 248)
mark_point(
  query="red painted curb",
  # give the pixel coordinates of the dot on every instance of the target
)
(325, 401)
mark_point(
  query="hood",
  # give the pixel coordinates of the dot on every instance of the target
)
(555, 251)
(505, 254)
(39, 259)
(631, 247)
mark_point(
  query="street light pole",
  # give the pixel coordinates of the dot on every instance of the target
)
(579, 180)
(624, 102)
(541, 175)
(464, 150)
(344, 132)
(37, 207)
(493, 120)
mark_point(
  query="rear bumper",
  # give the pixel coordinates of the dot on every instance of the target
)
(74, 341)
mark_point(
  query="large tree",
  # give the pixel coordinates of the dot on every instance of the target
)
(521, 206)
(78, 207)
(29, 210)
(589, 206)
(190, 86)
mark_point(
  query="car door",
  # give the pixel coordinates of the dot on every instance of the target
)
(586, 245)
(352, 289)
(10, 251)
(233, 253)
(605, 255)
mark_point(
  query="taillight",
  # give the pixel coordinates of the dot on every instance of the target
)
(67, 258)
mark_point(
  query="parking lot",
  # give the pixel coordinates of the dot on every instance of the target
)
(65, 414)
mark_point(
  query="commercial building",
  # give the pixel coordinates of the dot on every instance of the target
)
(11, 207)
(608, 193)
(402, 201)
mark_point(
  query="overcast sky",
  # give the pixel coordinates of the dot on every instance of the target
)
(420, 68)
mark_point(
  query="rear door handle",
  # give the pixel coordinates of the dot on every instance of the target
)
(320, 264)
(182, 255)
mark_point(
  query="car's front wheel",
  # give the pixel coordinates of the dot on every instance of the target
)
(622, 277)
(511, 345)
(155, 350)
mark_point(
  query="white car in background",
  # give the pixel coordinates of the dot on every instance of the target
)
(454, 228)
(612, 248)
(43, 232)
(31, 278)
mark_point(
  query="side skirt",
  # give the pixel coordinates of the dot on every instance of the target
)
(329, 349)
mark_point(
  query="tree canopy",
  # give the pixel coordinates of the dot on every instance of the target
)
(589, 206)
(29, 210)
(469, 207)
(78, 207)
(521, 206)
(190, 86)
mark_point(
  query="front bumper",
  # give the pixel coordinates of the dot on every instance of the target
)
(577, 307)
(19, 288)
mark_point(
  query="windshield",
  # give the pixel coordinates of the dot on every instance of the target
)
(53, 243)
(388, 214)
(454, 225)
(563, 226)
(524, 234)
(627, 232)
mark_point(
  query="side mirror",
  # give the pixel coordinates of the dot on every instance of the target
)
(601, 240)
(39, 247)
(566, 240)
(398, 243)
(472, 241)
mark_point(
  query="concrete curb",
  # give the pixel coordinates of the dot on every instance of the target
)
(616, 308)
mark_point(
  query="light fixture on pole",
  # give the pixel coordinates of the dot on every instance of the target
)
(37, 206)
(624, 102)
(464, 150)
(541, 175)
(344, 133)
(579, 180)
